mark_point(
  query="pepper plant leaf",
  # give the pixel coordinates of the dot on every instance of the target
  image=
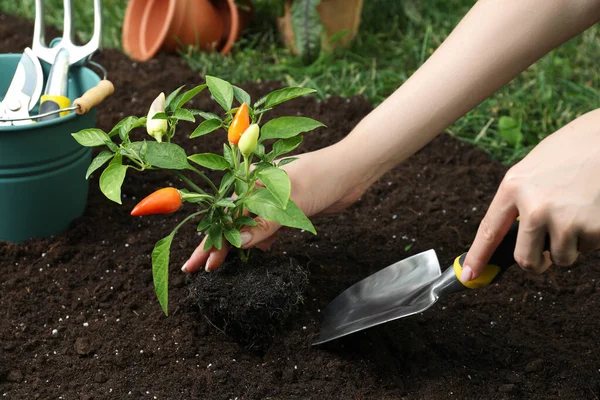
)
(284, 146)
(91, 137)
(245, 220)
(228, 154)
(160, 115)
(163, 154)
(287, 127)
(241, 187)
(226, 182)
(126, 125)
(203, 224)
(282, 95)
(205, 115)
(261, 202)
(98, 162)
(241, 95)
(286, 161)
(234, 237)
(215, 237)
(278, 183)
(221, 90)
(160, 270)
(225, 203)
(210, 161)
(184, 115)
(172, 96)
(187, 96)
(111, 181)
(207, 126)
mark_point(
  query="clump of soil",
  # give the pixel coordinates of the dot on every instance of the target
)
(80, 320)
(251, 301)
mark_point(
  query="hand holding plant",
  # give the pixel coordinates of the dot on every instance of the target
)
(220, 208)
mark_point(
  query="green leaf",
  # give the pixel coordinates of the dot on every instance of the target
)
(208, 126)
(215, 237)
(278, 183)
(126, 125)
(160, 115)
(286, 161)
(172, 97)
(226, 182)
(228, 154)
(241, 95)
(261, 202)
(211, 161)
(91, 137)
(205, 115)
(285, 94)
(284, 146)
(163, 155)
(184, 115)
(205, 223)
(510, 130)
(98, 162)
(225, 203)
(307, 27)
(287, 127)
(260, 150)
(234, 237)
(187, 96)
(160, 270)
(245, 220)
(111, 181)
(221, 90)
(241, 187)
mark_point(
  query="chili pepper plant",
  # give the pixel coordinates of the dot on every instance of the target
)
(252, 152)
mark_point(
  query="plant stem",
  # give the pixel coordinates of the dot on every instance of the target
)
(186, 219)
(205, 179)
(191, 184)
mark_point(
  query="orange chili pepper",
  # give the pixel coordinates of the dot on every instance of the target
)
(163, 201)
(240, 122)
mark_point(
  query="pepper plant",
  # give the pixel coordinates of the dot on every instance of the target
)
(252, 152)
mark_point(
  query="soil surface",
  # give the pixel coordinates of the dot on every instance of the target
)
(80, 319)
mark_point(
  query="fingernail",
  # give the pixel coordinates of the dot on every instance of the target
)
(246, 238)
(466, 274)
(208, 266)
(184, 268)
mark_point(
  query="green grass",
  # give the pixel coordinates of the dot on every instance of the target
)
(395, 38)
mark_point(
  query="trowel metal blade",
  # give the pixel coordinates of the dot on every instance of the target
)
(397, 291)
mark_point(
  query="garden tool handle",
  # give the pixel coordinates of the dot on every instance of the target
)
(502, 259)
(93, 97)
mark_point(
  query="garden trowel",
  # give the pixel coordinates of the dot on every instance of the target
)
(407, 287)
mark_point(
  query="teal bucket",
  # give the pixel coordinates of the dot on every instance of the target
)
(42, 168)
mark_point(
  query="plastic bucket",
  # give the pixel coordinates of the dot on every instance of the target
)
(42, 168)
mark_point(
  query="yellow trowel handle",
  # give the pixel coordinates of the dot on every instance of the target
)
(501, 260)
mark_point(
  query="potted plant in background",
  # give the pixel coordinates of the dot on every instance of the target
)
(150, 26)
(252, 153)
(308, 26)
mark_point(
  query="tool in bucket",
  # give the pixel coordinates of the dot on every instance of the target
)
(55, 103)
(408, 287)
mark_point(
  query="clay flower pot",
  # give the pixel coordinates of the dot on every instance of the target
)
(151, 26)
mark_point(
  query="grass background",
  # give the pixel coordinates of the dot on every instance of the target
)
(395, 38)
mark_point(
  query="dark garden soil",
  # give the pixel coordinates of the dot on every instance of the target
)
(79, 318)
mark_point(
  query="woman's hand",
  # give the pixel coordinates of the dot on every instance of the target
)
(556, 191)
(323, 182)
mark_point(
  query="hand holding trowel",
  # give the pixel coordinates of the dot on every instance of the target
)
(407, 287)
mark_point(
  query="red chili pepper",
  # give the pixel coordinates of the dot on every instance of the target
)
(240, 122)
(163, 201)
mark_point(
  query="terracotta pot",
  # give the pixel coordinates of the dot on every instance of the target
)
(154, 25)
(235, 21)
(336, 15)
